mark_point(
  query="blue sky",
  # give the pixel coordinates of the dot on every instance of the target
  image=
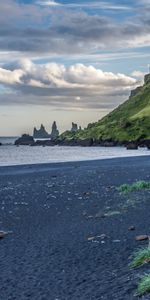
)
(69, 60)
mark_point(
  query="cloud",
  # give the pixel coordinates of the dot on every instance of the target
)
(96, 5)
(138, 74)
(75, 86)
(48, 3)
(33, 30)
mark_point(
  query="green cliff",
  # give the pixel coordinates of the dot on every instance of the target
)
(129, 121)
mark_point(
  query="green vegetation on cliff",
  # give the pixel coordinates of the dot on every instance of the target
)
(129, 121)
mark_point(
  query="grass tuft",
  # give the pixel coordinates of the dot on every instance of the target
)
(144, 286)
(139, 185)
(140, 258)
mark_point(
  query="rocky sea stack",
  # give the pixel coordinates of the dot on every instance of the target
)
(25, 139)
(41, 133)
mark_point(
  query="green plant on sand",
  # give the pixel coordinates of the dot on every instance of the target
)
(136, 186)
(140, 257)
(144, 285)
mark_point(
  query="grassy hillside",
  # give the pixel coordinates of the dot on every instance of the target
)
(130, 121)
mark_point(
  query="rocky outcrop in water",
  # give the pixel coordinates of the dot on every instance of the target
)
(41, 133)
(132, 146)
(25, 139)
(54, 133)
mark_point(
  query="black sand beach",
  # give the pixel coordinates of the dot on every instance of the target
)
(69, 236)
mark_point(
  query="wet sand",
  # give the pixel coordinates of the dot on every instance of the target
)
(68, 226)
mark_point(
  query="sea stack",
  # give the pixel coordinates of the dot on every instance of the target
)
(41, 133)
(74, 127)
(54, 133)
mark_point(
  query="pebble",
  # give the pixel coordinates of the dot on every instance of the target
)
(142, 237)
(131, 228)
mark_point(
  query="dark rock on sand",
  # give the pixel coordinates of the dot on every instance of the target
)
(25, 139)
(142, 237)
(131, 228)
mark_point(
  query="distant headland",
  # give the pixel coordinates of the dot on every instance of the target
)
(128, 124)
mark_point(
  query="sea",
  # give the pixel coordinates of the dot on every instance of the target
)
(11, 155)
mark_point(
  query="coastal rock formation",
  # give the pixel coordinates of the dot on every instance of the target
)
(132, 146)
(41, 133)
(54, 133)
(25, 139)
(74, 127)
(76, 142)
(44, 143)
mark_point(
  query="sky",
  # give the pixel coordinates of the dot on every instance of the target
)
(69, 61)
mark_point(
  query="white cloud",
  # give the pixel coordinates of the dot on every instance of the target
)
(97, 5)
(138, 74)
(10, 77)
(78, 85)
(53, 75)
(48, 3)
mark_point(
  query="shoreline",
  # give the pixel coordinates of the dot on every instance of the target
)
(42, 167)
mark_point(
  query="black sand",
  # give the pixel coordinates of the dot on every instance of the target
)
(56, 215)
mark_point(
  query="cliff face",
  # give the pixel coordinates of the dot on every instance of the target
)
(41, 133)
(129, 121)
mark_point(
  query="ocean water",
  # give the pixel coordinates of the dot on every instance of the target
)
(13, 155)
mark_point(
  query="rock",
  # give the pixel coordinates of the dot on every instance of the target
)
(91, 238)
(41, 133)
(85, 143)
(0, 144)
(142, 237)
(102, 236)
(100, 215)
(44, 143)
(132, 146)
(147, 144)
(131, 228)
(54, 133)
(75, 142)
(74, 127)
(108, 144)
(25, 139)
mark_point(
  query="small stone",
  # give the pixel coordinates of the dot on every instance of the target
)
(100, 215)
(91, 238)
(142, 237)
(102, 236)
(90, 217)
(131, 228)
